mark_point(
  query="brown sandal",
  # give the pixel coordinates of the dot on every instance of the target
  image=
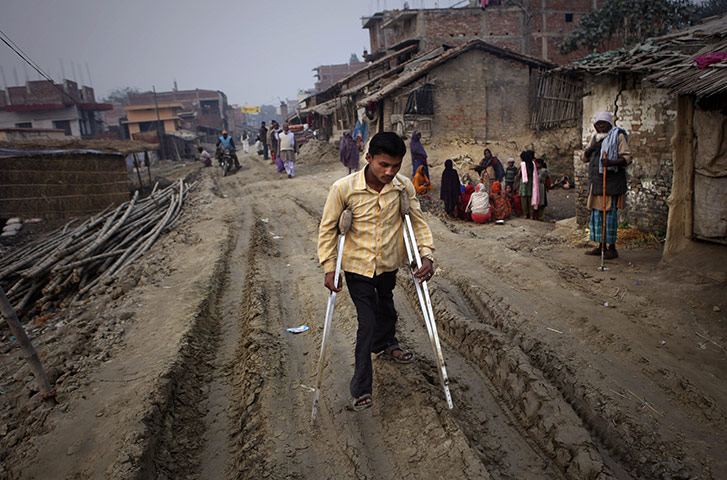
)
(402, 357)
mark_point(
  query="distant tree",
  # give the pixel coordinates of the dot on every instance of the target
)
(121, 95)
(630, 22)
(712, 7)
(353, 59)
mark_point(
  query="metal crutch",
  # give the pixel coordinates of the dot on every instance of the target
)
(425, 301)
(344, 223)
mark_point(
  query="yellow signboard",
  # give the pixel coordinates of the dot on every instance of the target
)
(250, 109)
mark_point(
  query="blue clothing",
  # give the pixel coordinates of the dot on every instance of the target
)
(609, 146)
(417, 163)
(226, 142)
(596, 223)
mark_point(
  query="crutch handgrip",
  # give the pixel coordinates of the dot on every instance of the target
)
(404, 202)
(344, 221)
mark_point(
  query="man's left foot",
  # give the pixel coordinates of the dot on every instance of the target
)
(398, 355)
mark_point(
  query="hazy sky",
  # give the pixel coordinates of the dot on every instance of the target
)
(254, 51)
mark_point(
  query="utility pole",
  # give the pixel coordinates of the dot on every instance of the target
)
(160, 134)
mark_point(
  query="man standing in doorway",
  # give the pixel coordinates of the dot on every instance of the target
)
(287, 149)
(609, 150)
(263, 132)
(374, 251)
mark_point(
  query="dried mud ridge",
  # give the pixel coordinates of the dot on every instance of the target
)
(565, 421)
(538, 388)
(173, 424)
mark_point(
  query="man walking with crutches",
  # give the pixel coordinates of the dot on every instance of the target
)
(373, 252)
(608, 154)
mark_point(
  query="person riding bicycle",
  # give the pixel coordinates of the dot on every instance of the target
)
(225, 142)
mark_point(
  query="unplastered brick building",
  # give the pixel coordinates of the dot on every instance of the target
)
(532, 27)
(46, 105)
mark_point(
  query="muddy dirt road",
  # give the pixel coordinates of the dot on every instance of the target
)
(188, 372)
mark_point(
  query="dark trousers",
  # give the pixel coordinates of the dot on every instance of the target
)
(265, 150)
(374, 301)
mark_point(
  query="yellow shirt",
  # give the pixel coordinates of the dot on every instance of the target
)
(375, 242)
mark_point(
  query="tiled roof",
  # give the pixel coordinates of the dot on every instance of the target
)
(669, 61)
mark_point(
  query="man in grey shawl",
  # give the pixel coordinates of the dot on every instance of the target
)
(609, 149)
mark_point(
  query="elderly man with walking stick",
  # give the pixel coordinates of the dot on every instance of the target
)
(374, 251)
(608, 154)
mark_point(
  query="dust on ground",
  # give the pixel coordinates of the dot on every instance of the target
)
(557, 370)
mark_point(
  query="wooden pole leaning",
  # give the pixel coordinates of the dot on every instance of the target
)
(47, 392)
(344, 224)
(422, 289)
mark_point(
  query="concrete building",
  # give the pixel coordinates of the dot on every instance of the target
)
(203, 111)
(45, 105)
(533, 27)
(144, 118)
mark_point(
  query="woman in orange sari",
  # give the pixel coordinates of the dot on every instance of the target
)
(421, 182)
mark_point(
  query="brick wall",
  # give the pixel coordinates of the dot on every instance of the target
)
(504, 26)
(648, 115)
(71, 89)
(43, 92)
(480, 96)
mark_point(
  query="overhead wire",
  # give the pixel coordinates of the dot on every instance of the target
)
(26, 58)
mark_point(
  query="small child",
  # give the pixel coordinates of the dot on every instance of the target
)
(510, 173)
(514, 200)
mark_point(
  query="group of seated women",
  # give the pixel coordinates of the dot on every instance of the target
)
(480, 204)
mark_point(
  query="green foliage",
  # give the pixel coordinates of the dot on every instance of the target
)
(630, 22)
(712, 7)
(121, 95)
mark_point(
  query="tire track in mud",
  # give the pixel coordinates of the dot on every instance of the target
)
(175, 424)
(275, 438)
(700, 405)
(510, 356)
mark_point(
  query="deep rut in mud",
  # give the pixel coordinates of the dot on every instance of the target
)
(238, 405)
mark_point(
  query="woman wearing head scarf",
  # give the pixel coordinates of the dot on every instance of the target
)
(529, 190)
(467, 192)
(421, 182)
(450, 189)
(543, 181)
(349, 152)
(479, 204)
(493, 167)
(500, 207)
(418, 154)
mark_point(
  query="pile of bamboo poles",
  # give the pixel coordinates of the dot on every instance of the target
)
(66, 264)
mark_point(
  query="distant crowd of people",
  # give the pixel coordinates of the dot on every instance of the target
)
(281, 145)
(500, 193)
